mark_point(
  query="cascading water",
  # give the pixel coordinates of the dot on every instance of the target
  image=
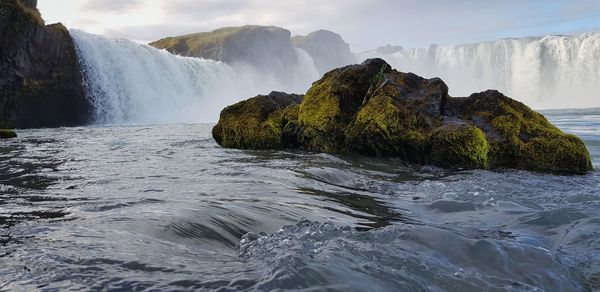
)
(129, 82)
(547, 72)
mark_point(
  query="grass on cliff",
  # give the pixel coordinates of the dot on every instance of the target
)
(193, 43)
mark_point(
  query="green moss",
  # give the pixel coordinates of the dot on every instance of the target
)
(558, 154)
(522, 138)
(331, 104)
(7, 134)
(460, 146)
(319, 115)
(197, 43)
(384, 128)
(32, 87)
(256, 123)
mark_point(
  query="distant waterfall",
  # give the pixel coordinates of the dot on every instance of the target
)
(547, 72)
(129, 82)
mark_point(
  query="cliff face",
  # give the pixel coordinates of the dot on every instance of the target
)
(40, 85)
(266, 48)
(327, 49)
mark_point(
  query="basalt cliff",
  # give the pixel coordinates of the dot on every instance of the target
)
(40, 83)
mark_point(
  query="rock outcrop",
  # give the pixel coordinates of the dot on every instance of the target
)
(259, 122)
(40, 85)
(7, 134)
(267, 48)
(372, 109)
(327, 49)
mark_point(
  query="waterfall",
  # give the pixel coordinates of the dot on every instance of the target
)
(129, 82)
(546, 72)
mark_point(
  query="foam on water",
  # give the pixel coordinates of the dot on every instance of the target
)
(129, 82)
(546, 72)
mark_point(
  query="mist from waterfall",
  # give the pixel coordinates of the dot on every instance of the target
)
(546, 72)
(131, 83)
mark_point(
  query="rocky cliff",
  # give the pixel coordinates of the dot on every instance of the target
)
(266, 48)
(327, 49)
(40, 85)
(372, 109)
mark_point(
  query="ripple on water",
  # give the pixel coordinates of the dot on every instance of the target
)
(165, 208)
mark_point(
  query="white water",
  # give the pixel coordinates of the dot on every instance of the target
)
(548, 72)
(133, 83)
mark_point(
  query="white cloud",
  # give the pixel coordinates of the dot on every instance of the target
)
(364, 24)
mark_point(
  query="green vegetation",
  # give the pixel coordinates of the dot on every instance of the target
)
(383, 128)
(256, 123)
(461, 146)
(523, 138)
(204, 43)
(332, 103)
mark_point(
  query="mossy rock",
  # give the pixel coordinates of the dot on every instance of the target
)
(258, 123)
(7, 134)
(331, 103)
(383, 127)
(522, 138)
(460, 145)
(371, 109)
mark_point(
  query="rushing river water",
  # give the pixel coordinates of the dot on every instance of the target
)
(165, 208)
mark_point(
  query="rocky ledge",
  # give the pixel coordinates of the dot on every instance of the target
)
(372, 109)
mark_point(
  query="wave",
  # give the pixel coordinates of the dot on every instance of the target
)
(402, 258)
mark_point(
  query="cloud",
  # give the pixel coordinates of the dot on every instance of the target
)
(111, 6)
(364, 24)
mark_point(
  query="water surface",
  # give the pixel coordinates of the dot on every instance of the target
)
(165, 208)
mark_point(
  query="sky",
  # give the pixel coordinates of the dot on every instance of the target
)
(364, 24)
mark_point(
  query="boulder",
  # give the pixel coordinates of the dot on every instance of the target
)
(40, 85)
(372, 109)
(267, 48)
(259, 122)
(327, 49)
(7, 134)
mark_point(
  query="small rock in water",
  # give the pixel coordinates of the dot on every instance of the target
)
(7, 134)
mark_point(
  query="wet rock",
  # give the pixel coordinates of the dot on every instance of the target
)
(7, 134)
(520, 137)
(40, 85)
(260, 122)
(373, 109)
(327, 49)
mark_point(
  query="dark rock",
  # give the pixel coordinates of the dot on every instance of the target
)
(267, 48)
(41, 80)
(327, 49)
(7, 134)
(374, 110)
